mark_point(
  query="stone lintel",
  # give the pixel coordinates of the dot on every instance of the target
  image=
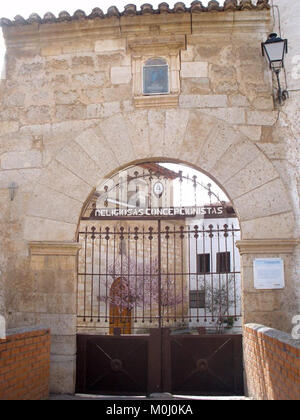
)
(54, 248)
(267, 246)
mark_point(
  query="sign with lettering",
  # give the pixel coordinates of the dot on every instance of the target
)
(268, 273)
(204, 212)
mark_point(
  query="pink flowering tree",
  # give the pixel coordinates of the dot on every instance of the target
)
(139, 286)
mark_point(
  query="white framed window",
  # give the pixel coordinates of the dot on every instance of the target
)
(156, 77)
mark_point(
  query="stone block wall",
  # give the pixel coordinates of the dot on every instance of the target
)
(25, 364)
(272, 363)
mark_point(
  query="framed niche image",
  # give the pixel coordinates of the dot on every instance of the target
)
(156, 77)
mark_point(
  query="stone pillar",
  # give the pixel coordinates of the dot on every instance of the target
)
(53, 265)
(273, 308)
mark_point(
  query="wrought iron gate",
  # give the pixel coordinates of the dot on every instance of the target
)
(146, 296)
(158, 274)
(159, 287)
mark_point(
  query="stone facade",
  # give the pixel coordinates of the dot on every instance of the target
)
(68, 118)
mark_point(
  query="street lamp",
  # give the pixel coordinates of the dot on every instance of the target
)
(274, 49)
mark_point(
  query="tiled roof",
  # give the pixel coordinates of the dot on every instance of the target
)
(146, 9)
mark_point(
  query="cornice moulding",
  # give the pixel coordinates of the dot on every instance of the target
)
(246, 21)
(147, 25)
(54, 248)
(33, 35)
(267, 246)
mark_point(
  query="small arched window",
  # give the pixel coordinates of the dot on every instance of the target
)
(156, 77)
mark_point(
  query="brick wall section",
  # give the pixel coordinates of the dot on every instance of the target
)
(25, 364)
(272, 363)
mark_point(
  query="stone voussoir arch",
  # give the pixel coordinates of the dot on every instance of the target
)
(191, 137)
(178, 135)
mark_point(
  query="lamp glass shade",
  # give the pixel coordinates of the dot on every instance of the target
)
(274, 50)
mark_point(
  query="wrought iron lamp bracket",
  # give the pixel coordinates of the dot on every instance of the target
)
(282, 95)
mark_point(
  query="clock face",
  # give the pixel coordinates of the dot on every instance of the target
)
(158, 189)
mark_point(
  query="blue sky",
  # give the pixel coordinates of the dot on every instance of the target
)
(11, 8)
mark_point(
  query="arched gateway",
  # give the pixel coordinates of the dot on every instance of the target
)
(158, 265)
(259, 202)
